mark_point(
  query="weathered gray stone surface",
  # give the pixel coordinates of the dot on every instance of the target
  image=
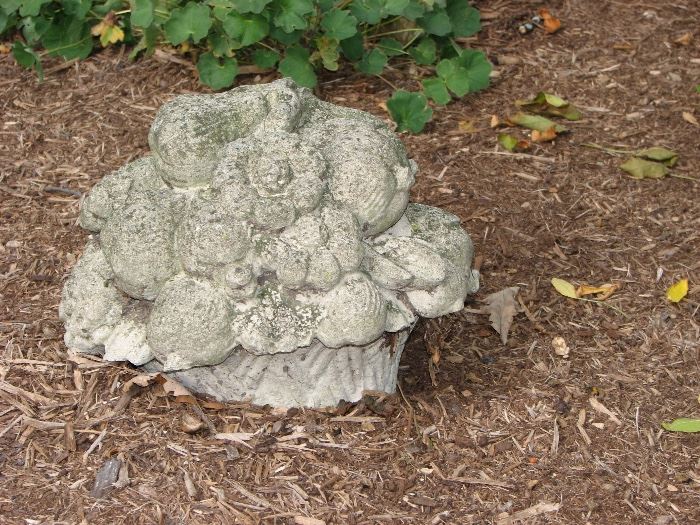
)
(264, 251)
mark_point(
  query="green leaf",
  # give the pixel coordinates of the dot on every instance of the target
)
(353, 47)
(697, 88)
(372, 62)
(368, 11)
(644, 169)
(657, 153)
(478, 68)
(31, 7)
(454, 75)
(77, 8)
(68, 37)
(221, 45)
(391, 47)
(682, 424)
(395, 7)
(552, 105)
(10, 6)
(217, 73)
(297, 66)
(27, 58)
(286, 39)
(291, 14)
(507, 142)
(265, 58)
(436, 22)
(409, 110)
(425, 52)
(141, 13)
(192, 21)
(466, 21)
(338, 24)
(246, 29)
(535, 122)
(436, 90)
(250, 6)
(147, 43)
(329, 52)
(414, 10)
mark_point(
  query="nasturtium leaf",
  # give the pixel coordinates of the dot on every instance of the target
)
(372, 62)
(466, 20)
(682, 424)
(77, 8)
(425, 52)
(478, 68)
(27, 57)
(409, 110)
(338, 24)
(368, 11)
(31, 7)
(390, 47)
(192, 21)
(565, 288)
(217, 73)
(535, 122)
(296, 65)
(552, 105)
(436, 22)
(285, 38)
(353, 47)
(265, 58)
(247, 29)
(455, 76)
(291, 15)
(68, 37)
(141, 13)
(657, 153)
(436, 90)
(329, 52)
(644, 169)
(677, 291)
(249, 6)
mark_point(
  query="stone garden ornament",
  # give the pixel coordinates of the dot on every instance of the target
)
(265, 250)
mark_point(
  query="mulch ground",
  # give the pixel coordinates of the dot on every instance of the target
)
(499, 433)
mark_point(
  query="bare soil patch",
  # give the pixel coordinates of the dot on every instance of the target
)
(503, 428)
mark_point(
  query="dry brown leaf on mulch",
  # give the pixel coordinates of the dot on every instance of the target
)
(502, 308)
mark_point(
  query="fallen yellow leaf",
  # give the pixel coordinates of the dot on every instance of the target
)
(690, 118)
(564, 287)
(495, 121)
(107, 30)
(4, 49)
(601, 292)
(677, 291)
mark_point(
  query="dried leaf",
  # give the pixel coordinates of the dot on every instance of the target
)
(537, 122)
(543, 136)
(551, 105)
(600, 407)
(690, 118)
(142, 380)
(495, 121)
(502, 307)
(682, 424)
(677, 291)
(565, 288)
(601, 292)
(305, 520)
(685, 39)
(560, 347)
(467, 126)
(644, 169)
(550, 23)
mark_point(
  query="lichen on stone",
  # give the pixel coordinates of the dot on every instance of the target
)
(264, 221)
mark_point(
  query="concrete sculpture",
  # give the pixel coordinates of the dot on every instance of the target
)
(266, 250)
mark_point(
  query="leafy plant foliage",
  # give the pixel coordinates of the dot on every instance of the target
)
(298, 37)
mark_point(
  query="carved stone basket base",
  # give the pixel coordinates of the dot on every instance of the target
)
(313, 376)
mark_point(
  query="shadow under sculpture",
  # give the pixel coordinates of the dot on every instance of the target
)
(265, 250)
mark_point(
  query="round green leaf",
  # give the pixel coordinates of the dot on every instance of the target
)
(372, 62)
(339, 24)
(27, 58)
(390, 47)
(478, 68)
(217, 73)
(410, 111)
(395, 7)
(296, 65)
(68, 37)
(141, 13)
(436, 22)
(413, 10)
(192, 21)
(435, 90)
(353, 47)
(455, 76)
(31, 7)
(466, 21)
(368, 11)
(265, 58)
(291, 15)
(286, 39)
(425, 52)
(249, 6)
(246, 29)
